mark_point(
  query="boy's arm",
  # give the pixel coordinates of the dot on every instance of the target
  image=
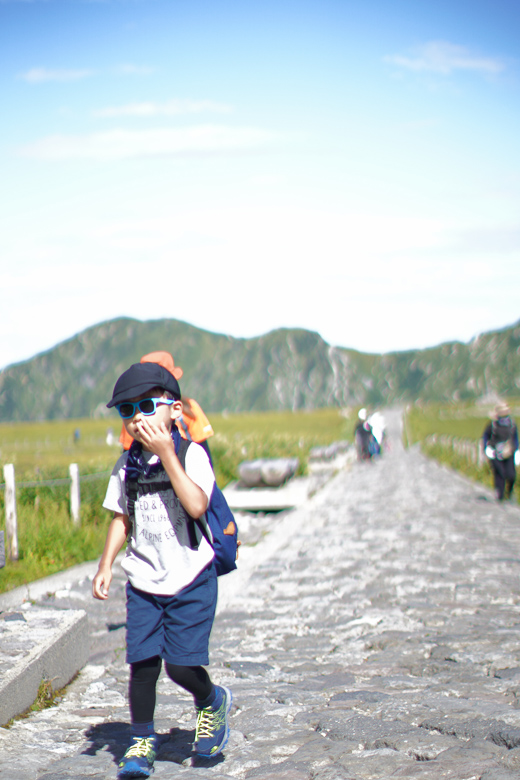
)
(159, 441)
(192, 497)
(117, 533)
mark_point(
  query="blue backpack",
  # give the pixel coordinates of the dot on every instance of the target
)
(217, 525)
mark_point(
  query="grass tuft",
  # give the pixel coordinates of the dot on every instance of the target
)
(46, 697)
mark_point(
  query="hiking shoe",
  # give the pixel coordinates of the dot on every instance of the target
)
(212, 730)
(139, 757)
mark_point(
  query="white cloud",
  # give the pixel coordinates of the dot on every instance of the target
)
(499, 240)
(445, 58)
(268, 180)
(168, 108)
(423, 294)
(41, 75)
(128, 69)
(125, 144)
(351, 243)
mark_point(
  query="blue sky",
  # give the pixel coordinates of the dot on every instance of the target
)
(349, 168)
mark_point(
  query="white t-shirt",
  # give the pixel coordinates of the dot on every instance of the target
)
(159, 558)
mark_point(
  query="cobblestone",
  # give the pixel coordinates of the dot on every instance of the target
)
(371, 634)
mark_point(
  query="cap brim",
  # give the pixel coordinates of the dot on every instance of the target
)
(133, 392)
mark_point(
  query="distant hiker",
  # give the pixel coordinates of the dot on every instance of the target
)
(378, 425)
(500, 443)
(172, 580)
(364, 438)
(193, 424)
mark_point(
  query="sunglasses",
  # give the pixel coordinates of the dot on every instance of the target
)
(146, 406)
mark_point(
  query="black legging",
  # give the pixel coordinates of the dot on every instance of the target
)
(504, 475)
(143, 679)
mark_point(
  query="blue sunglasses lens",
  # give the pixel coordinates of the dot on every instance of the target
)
(147, 407)
(126, 410)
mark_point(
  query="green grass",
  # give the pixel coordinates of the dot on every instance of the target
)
(463, 422)
(48, 447)
(46, 697)
(48, 542)
(271, 435)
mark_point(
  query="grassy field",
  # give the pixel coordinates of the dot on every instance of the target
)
(41, 452)
(462, 423)
(463, 420)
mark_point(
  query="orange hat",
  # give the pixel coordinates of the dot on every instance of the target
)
(165, 360)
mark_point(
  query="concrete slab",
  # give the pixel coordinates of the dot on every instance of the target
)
(294, 493)
(32, 591)
(38, 644)
(264, 499)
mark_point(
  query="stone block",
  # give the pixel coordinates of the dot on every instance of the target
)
(38, 644)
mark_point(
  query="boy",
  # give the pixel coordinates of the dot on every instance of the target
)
(172, 586)
(193, 424)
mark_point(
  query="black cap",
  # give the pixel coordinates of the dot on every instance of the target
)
(142, 377)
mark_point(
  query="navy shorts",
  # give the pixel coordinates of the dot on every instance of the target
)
(176, 628)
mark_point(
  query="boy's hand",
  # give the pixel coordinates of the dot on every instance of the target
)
(101, 584)
(155, 438)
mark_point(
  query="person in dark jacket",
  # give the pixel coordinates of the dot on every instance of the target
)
(364, 438)
(500, 442)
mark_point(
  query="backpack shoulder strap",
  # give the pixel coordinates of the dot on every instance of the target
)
(181, 423)
(201, 522)
(181, 451)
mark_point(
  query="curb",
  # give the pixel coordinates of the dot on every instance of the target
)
(32, 591)
(61, 650)
(55, 642)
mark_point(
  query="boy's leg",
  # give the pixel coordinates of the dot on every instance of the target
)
(193, 679)
(212, 702)
(188, 623)
(139, 757)
(144, 637)
(143, 680)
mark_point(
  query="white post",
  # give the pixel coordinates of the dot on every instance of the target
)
(10, 512)
(74, 493)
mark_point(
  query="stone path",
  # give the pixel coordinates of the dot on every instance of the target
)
(372, 634)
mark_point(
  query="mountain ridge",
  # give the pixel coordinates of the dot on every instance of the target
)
(287, 368)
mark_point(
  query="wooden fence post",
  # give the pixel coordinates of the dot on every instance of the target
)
(10, 512)
(74, 493)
